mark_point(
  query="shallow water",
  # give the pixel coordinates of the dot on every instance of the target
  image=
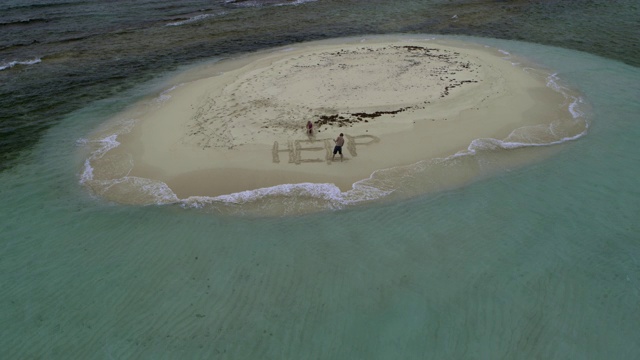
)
(541, 261)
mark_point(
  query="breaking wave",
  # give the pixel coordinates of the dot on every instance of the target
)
(196, 18)
(262, 3)
(9, 65)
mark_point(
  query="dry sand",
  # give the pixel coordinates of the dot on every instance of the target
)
(242, 126)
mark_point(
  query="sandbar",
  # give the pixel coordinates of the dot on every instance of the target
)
(240, 124)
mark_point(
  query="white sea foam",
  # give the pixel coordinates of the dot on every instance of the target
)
(261, 3)
(297, 2)
(326, 192)
(573, 108)
(507, 56)
(363, 190)
(164, 96)
(196, 18)
(145, 190)
(539, 135)
(554, 82)
(9, 65)
(87, 172)
(102, 146)
(528, 136)
(154, 188)
(327, 196)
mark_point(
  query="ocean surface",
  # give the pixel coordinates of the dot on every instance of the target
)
(536, 261)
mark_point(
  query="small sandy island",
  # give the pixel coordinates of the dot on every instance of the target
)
(241, 125)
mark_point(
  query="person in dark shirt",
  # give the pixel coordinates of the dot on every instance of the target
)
(338, 148)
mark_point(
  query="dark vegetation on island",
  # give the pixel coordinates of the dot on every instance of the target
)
(347, 119)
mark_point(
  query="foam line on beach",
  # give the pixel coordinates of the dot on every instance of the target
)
(166, 94)
(104, 145)
(99, 147)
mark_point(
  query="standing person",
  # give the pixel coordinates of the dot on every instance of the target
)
(338, 148)
(309, 127)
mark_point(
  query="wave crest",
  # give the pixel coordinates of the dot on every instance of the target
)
(9, 65)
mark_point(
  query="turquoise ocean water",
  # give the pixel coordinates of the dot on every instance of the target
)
(541, 261)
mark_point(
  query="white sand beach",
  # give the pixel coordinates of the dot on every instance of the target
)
(241, 126)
